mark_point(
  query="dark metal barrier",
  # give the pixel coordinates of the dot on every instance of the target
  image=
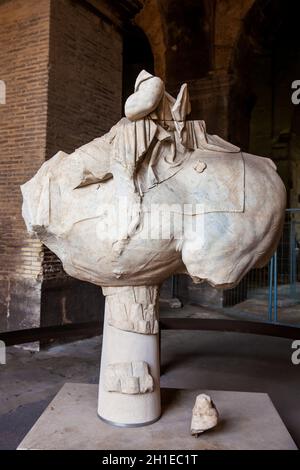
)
(86, 330)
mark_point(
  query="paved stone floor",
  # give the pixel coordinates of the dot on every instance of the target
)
(207, 360)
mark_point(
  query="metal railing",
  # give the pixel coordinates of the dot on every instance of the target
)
(284, 269)
(272, 293)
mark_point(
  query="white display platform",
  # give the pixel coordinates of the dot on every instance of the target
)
(248, 421)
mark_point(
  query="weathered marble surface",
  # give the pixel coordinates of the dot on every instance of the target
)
(155, 196)
(234, 241)
(205, 415)
(131, 378)
(120, 346)
(133, 309)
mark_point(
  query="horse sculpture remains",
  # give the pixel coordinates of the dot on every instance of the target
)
(155, 196)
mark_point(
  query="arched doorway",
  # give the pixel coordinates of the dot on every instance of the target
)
(137, 55)
(265, 63)
(181, 38)
(264, 121)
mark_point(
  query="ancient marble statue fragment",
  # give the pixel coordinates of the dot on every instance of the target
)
(155, 196)
(131, 313)
(130, 378)
(205, 415)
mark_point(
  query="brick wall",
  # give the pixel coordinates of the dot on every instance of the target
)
(62, 65)
(85, 85)
(84, 101)
(24, 39)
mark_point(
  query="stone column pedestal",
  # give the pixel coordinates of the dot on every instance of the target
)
(129, 388)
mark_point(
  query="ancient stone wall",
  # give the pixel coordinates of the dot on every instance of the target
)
(24, 58)
(84, 101)
(62, 65)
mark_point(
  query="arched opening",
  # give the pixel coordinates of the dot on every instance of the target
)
(188, 31)
(264, 120)
(181, 37)
(137, 55)
(266, 61)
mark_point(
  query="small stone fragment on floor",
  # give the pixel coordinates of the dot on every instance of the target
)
(205, 415)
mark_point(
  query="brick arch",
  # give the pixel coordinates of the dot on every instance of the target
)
(150, 20)
(218, 15)
(259, 27)
(137, 56)
(228, 12)
(264, 61)
(180, 34)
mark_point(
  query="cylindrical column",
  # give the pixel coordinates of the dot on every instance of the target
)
(129, 388)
